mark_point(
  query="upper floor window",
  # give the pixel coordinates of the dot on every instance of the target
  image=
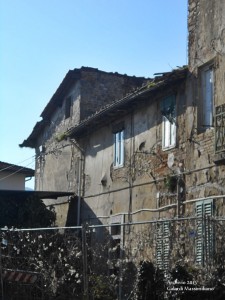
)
(68, 105)
(206, 97)
(119, 148)
(168, 110)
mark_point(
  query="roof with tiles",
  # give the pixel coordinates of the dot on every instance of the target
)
(11, 168)
(125, 104)
(105, 113)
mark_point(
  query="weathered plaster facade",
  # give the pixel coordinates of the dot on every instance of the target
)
(138, 184)
(81, 93)
(171, 135)
(206, 26)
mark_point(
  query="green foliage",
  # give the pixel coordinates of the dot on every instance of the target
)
(150, 282)
(25, 213)
(101, 287)
(56, 258)
(171, 183)
(61, 137)
(151, 84)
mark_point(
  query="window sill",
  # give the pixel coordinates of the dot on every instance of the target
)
(202, 129)
(219, 158)
(168, 148)
(118, 167)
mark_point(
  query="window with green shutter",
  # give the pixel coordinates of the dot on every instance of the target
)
(163, 245)
(168, 110)
(204, 233)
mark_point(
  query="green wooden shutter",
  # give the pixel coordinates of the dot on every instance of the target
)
(168, 110)
(163, 245)
(204, 237)
(167, 104)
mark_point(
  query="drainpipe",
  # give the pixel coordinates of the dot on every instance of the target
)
(79, 180)
(131, 168)
(1, 272)
(79, 190)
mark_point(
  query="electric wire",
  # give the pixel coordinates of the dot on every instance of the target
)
(3, 178)
(13, 165)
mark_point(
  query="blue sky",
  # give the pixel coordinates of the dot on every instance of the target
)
(40, 40)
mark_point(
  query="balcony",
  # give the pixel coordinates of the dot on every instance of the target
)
(220, 134)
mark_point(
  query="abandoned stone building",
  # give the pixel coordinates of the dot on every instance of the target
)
(58, 165)
(135, 149)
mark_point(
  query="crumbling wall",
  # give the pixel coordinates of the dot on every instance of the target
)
(100, 88)
(58, 158)
(206, 25)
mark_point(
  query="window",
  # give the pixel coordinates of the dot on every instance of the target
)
(168, 122)
(68, 107)
(204, 232)
(119, 148)
(116, 231)
(206, 97)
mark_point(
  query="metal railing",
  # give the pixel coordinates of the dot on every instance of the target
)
(220, 128)
(86, 261)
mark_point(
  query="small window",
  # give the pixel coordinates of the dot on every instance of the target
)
(206, 98)
(119, 148)
(168, 111)
(68, 107)
(116, 229)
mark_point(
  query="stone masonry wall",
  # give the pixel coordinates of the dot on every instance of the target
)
(206, 25)
(57, 163)
(100, 88)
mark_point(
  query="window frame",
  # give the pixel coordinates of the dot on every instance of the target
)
(205, 108)
(68, 107)
(118, 151)
(169, 127)
(117, 236)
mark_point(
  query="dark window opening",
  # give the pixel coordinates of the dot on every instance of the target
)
(68, 108)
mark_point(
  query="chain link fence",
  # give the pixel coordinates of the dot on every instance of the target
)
(163, 259)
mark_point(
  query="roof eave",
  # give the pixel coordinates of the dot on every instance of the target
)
(140, 94)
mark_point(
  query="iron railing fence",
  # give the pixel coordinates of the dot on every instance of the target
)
(89, 263)
(220, 128)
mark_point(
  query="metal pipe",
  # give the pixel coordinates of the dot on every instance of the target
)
(105, 225)
(1, 273)
(204, 198)
(164, 207)
(79, 191)
(41, 228)
(81, 150)
(148, 182)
